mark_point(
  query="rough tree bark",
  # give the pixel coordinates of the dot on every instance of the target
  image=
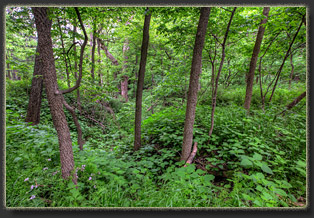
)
(256, 50)
(43, 26)
(218, 74)
(193, 85)
(140, 81)
(34, 103)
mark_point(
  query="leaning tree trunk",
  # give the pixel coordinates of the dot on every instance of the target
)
(193, 86)
(140, 82)
(284, 60)
(214, 95)
(250, 75)
(43, 26)
(34, 103)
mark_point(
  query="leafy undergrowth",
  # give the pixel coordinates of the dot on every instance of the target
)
(250, 161)
(248, 164)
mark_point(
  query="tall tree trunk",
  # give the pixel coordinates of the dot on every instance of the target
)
(218, 74)
(212, 62)
(135, 74)
(43, 26)
(140, 81)
(250, 75)
(125, 78)
(193, 86)
(284, 60)
(34, 103)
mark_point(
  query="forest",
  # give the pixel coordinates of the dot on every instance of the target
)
(156, 107)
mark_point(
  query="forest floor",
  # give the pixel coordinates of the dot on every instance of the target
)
(256, 160)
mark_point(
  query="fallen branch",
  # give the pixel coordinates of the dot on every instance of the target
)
(84, 114)
(291, 105)
(192, 155)
(153, 105)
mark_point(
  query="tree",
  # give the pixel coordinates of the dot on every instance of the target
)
(285, 58)
(140, 81)
(214, 95)
(260, 72)
(34, 103)
(43, 26)
(194, 83)
(250, 75)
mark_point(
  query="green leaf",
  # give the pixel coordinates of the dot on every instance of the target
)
(199, 171)
(266, 169)
(267, 196)
(260, 175)
(259, 188)
(246, 162)
(135, 171)
(209, 177)
(280, 192)
(247, 197)
(257, 202)
(257, 156)
(17, 159)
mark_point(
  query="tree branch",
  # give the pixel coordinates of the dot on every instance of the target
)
(78, 81)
